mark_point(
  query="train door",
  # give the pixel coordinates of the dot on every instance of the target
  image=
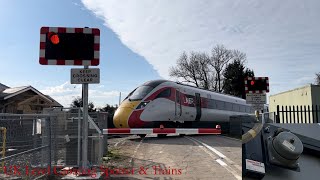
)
(178, 109)
(198, 107)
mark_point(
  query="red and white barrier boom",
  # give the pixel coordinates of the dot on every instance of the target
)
(161, 131)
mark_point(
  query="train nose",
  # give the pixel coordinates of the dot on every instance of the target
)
(121, 116)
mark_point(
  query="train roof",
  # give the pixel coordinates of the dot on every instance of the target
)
(154, 83)
(226, 95)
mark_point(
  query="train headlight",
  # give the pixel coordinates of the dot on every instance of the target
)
(143, 104)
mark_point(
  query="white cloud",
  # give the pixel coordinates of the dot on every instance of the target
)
(66, 92)
(281, 38)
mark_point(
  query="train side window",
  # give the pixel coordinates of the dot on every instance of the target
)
(248, 109)
(215, 106)
(228, 106)
(211, 104)
(234, 107)
(164, 93)
(242, 108)
(220, 105)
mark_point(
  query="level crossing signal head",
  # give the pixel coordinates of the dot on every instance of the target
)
(256, 84)
(69, 46)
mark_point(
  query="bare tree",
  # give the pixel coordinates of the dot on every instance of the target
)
(317, 78)
(239, 56)
(206, 74)
(220, 57)
(206, 71)
(185, 69)
(193, 69)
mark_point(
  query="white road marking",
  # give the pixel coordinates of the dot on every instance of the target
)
(135, 150)
(122, 141)
(219, 161)
(219, 154)
(210, 148)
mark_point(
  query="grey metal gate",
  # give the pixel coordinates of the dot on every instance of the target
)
(67, 135)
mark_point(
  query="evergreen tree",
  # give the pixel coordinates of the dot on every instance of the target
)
(234, 75)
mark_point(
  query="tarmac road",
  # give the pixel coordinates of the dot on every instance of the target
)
(174, 157)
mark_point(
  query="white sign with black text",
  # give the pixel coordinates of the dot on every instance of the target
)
(82, 76)
(256, 98)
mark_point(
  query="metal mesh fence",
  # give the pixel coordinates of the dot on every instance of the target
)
(24, 145)
(28, 148)
(67, 135)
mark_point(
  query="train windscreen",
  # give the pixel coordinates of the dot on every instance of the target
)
(140, 93)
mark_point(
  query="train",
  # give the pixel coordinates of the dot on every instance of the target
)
(164, 103)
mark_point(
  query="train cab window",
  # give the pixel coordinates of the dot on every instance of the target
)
(129, 95)
(140, 93)
(164, 93)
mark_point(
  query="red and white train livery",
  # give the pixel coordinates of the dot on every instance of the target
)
(171, 104)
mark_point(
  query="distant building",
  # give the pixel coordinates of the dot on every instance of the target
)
(24, 99)
(306, 97)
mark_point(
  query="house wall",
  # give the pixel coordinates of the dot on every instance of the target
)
(305, 97)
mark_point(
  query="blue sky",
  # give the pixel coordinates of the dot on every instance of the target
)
(121, 69)
(141, 39)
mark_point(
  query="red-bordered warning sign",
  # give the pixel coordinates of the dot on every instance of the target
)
(54, 31)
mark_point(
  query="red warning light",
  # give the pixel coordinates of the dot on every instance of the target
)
(252, 83)
(54, 39)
